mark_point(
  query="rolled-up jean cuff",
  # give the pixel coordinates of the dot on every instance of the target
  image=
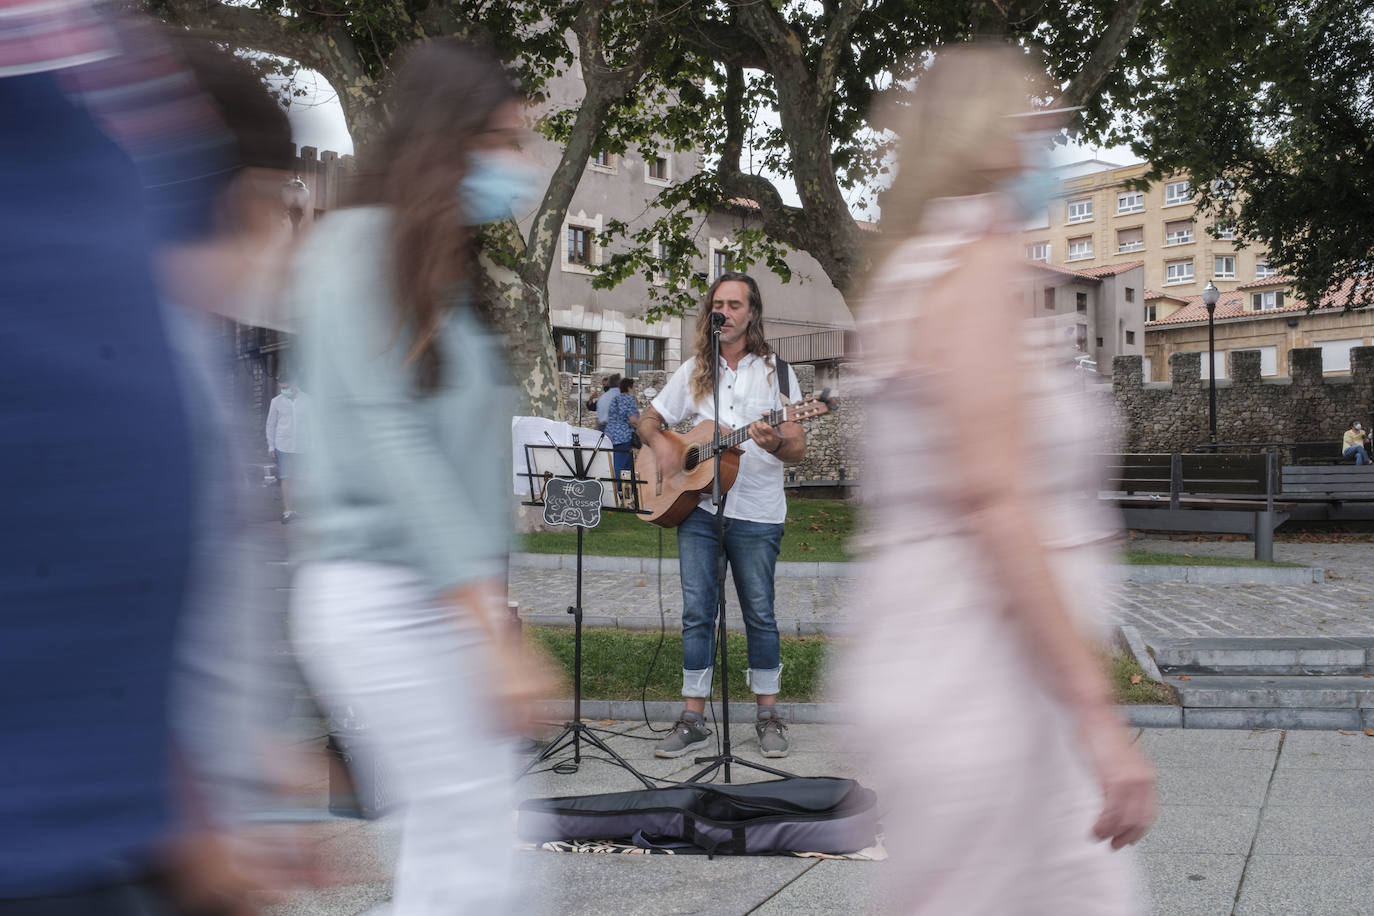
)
(764, 682)
(696, 683)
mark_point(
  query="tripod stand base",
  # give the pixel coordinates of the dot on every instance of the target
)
(717, 761)
(572, 734)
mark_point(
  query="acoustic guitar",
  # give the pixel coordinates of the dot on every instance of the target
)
(671, 493)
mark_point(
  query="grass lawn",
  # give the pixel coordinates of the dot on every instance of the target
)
(816, 530)
(615, 663)
(1150, 558)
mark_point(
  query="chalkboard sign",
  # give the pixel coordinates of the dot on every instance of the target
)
(572, 502)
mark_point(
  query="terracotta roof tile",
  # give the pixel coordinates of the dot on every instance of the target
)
(1111, 270)
(1275, 280)
(1066, 271)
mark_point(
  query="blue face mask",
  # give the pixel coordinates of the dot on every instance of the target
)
(496, 186)
(1033, 187)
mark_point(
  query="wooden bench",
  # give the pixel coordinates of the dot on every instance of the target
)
(1319, 453)
(1211, 493)
(1346, 490)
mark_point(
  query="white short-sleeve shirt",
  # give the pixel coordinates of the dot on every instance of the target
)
(746, 394)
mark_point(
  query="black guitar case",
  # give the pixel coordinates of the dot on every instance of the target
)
(797, 814)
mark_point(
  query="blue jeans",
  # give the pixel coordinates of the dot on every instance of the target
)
(752, 551)
(621, 459)
(1361, 456)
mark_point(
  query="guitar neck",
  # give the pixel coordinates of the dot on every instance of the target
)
(741, 435)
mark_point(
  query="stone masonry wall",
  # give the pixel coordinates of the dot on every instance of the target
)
(1305, 407)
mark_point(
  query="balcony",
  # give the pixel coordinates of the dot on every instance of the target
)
(819, 347)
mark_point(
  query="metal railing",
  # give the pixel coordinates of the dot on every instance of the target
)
(815, 347)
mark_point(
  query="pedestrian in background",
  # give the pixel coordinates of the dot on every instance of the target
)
(621, 421)
(288, 438)
(980, 696)
(400, 603)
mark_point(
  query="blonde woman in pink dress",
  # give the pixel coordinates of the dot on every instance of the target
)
(1011, 781)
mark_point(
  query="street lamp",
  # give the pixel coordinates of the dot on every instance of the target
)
(296, 196)
(1210, 295)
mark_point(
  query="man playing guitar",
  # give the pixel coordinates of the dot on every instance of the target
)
(754, 511)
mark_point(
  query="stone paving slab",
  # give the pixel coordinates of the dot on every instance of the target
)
(1258, 823)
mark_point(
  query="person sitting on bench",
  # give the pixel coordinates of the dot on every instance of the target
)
(1352, 444)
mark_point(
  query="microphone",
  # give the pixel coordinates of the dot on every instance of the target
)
(717, 320)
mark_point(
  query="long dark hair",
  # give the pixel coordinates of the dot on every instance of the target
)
(754, 340)
(444, 96)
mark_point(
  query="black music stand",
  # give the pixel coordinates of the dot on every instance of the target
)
(725, 758)
(575, 500)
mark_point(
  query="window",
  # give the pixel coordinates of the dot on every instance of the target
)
(1262, 270)
(1178, 232)
(1224, 232)
(576, 349)
(1224, 267)
(662, 274)
(642, 354)
(1099, 342)
(1221, 365)
(1151, 312)
(1049, 298)
(1130, 337)
(603, 161)
(657, 170)
(579, 245)
(1223, 188)
(1130, 294)
(1178, 271)
(1080, 248)
(1130, 239)
(1080, 211)
(1040, 251)
(1177, 192)
(1081, 301)
(720, 262)
(1260, 302)
(1336, 353)
(1130, 202)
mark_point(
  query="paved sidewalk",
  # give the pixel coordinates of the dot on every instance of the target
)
(1342, 606)
(1262, 823)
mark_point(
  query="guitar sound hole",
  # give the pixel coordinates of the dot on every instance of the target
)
(691, 459)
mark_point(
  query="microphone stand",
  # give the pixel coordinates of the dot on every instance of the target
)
(725, 758)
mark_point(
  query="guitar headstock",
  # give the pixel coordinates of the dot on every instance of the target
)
(816, 405)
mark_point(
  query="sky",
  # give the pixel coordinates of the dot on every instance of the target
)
(317, 120)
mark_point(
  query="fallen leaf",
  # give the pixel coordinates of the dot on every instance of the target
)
(1344, 732)
(1136, 678)
(1184, 677)
(1369, 732)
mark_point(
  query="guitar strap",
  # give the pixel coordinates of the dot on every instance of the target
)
(784, 379)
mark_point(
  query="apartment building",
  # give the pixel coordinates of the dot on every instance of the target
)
(1096, 221)
(1104, 302)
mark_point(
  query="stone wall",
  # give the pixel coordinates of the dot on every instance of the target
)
(1305, 407)
(832, 441)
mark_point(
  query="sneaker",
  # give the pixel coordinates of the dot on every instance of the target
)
(689, 734)
(772, 732)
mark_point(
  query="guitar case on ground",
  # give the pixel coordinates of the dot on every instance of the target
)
(798, 814)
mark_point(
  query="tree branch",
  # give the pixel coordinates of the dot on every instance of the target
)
(246, 27)
(1086, 83)
(835, 47)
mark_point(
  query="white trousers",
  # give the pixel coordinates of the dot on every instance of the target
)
(373, 642)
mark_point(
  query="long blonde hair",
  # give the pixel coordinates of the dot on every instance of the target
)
(754, 340)
(960, 109)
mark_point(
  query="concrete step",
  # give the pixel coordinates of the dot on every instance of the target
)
(1316, 655)
(1269, 691)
